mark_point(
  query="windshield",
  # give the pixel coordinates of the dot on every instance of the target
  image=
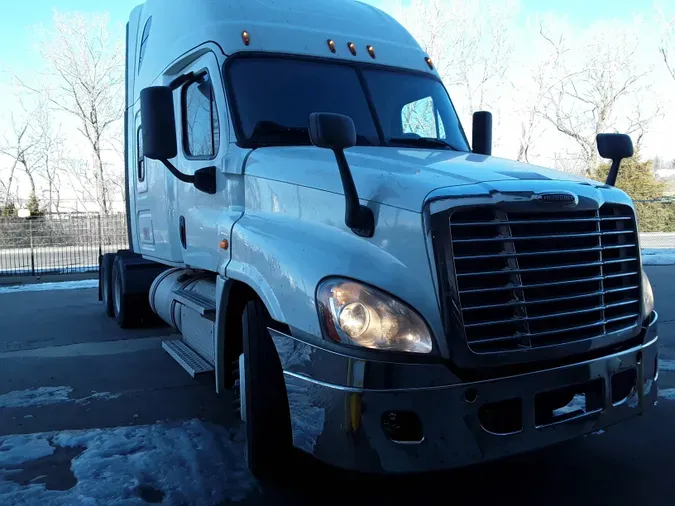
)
(273, 98)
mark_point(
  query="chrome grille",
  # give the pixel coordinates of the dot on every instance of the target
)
(533, 279)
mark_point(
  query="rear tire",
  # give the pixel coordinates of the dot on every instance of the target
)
(269, 439)
(124, 311)
(105, 282)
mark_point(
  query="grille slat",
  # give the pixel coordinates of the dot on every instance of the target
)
(532, 279)
(554, 315)
(550, 267)
(557, 331)
(531, 222)
(534, 253)
(547, 268)
(541, 237)
(548, 300)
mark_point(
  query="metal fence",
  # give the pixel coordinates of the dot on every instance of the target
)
(58, 243)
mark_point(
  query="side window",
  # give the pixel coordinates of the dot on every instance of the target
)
(421, 118)
(201, 130)
(144, 42)
(141, 157)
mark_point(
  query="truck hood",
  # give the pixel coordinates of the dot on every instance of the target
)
(399, 177)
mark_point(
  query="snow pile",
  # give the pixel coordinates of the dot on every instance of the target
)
(184, 463)
(658, 256)
(47, 395)
(16, 450)
(45, 287)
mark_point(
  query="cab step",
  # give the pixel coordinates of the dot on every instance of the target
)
(188, 358)
(203, 306)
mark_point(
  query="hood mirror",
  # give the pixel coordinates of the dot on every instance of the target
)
(337, 133)
(482, 133)
(614, 147)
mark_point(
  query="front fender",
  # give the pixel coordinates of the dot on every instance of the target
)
(290, 238)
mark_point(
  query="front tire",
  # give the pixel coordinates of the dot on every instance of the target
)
(269, 440)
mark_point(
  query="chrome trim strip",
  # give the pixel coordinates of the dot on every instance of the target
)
(480, 382)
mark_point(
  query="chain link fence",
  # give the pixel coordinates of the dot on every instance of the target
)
(58, 243)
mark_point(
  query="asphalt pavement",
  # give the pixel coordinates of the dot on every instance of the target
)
(65, 366)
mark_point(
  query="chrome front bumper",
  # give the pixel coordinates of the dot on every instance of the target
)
(348, 422)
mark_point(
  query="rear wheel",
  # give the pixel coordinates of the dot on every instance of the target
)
(123, 307)
(105, 282)
(268, 427)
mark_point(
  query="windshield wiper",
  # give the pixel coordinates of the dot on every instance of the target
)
(422, 142)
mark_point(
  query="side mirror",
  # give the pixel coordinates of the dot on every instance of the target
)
(337, 133)
(159, 123)
(482, 133)
(615, 147)
(332, 131)
(159, 136)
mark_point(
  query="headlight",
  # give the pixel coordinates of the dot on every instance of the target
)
(360, 315)
(647, 296)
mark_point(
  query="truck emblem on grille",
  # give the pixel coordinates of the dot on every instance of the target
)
(562, 198)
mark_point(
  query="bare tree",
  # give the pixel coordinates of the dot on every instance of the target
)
(603, 80)
(19, 145)
(546, 73)
(470, 45)
(85, 79)
(49, 145)
(667, 47)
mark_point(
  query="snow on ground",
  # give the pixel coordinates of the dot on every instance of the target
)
(47, 395)
(189, 462)
(43, 287)
(667, 393)
(666, 364)
(658, 256)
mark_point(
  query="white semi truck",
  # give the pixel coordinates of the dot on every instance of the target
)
(305, 210)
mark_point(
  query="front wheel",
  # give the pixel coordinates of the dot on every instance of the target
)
(268, 427)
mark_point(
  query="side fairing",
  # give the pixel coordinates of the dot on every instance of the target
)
(291, 237)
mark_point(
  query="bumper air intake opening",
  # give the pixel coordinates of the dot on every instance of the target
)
(624, 385)
(504, 417)
(403, 427)
(556, 406)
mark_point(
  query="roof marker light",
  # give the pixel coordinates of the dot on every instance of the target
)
(371, 51)
(429, 62)
(331, 45)
(246, 38)
(352, 48)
